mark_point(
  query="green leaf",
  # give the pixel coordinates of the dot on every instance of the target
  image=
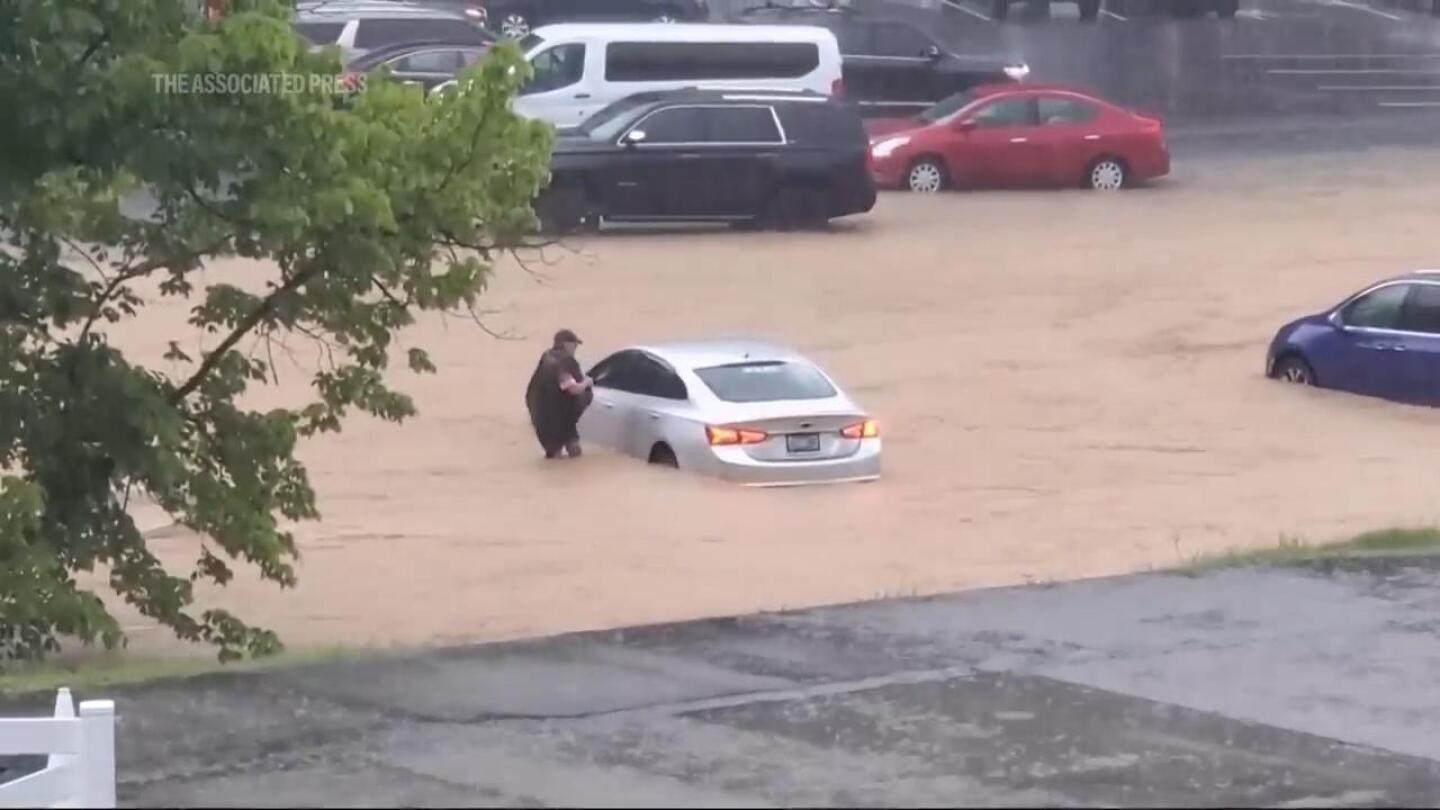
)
(117, 189)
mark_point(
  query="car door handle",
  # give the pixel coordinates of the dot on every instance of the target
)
(688, 155)
(653, 414)
(582, 95)
(1092, 137)
(1019, 140)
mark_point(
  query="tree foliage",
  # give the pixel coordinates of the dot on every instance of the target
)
(116, 188)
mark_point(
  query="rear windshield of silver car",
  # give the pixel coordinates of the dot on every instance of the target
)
(320, 33)
(768, 381)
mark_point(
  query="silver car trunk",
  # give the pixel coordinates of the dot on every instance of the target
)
(799, 430)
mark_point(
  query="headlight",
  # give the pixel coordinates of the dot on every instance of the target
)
(884, 148)
(1017, 72)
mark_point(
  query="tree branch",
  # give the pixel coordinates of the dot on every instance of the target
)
(130, 273)
(266, 308)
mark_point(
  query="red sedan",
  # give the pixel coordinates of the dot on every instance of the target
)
(1018, 136)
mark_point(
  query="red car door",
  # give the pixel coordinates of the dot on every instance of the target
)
(1074, 132)
(996, 145)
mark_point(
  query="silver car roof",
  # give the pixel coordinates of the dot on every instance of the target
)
(693, 354)
(345, 10)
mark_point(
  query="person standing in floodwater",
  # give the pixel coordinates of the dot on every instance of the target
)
(558, 393)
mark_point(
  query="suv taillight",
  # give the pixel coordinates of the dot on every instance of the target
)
(837, 88)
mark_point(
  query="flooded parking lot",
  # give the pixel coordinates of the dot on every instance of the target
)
(1069, 385)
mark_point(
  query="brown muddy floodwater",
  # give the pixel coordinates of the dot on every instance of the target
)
(1069, 385)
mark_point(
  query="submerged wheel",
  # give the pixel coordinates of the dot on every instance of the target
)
(797, 208)
(1293, 369)
(663, 456)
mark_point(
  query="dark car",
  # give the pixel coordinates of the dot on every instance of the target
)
(425, 63)
(360, 26)
(516, 18)
(890, 67)
(769, 159)
(1384, 341)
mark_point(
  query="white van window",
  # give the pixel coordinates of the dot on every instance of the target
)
(678, 61)
(560, 66)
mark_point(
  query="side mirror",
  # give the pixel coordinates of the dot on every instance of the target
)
(967, 126)
(634, 137)
(931, 52)
(1335, 321)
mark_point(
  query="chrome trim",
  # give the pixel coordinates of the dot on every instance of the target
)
(1334, 315)
(805, 99)
(895, 103)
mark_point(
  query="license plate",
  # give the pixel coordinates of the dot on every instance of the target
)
(802, 442)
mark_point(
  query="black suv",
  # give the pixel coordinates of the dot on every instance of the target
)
(889, 66)
(760, 158)
(516, 18)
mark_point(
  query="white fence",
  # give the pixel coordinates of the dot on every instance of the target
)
(81, 768)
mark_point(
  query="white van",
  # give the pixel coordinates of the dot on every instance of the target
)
(580, 67)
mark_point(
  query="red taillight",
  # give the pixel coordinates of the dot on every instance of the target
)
(352, 81)
(837, 88)
(868, 429)
(720, 436)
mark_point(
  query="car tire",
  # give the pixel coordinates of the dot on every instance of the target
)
(515, 24)
(1293, 369)
(927, 175)
(564, 211)
(662, 456)
(1089, 10)
(795, 208)
(1227, 9)
(999, 9)
(1107, 174)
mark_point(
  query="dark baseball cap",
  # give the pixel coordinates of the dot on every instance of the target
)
(566, 336)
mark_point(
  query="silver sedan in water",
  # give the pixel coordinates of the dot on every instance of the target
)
(753, 413)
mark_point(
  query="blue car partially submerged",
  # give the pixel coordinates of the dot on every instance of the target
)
(1383, 341)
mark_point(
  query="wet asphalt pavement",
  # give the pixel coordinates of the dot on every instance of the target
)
(1304, 687)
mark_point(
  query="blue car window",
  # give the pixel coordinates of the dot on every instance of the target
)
(1379, 309)
(1422, 309)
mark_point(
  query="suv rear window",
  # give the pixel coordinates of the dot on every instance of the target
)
(740, 125)
(672, 61)
(766, 382)
(829, 123)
